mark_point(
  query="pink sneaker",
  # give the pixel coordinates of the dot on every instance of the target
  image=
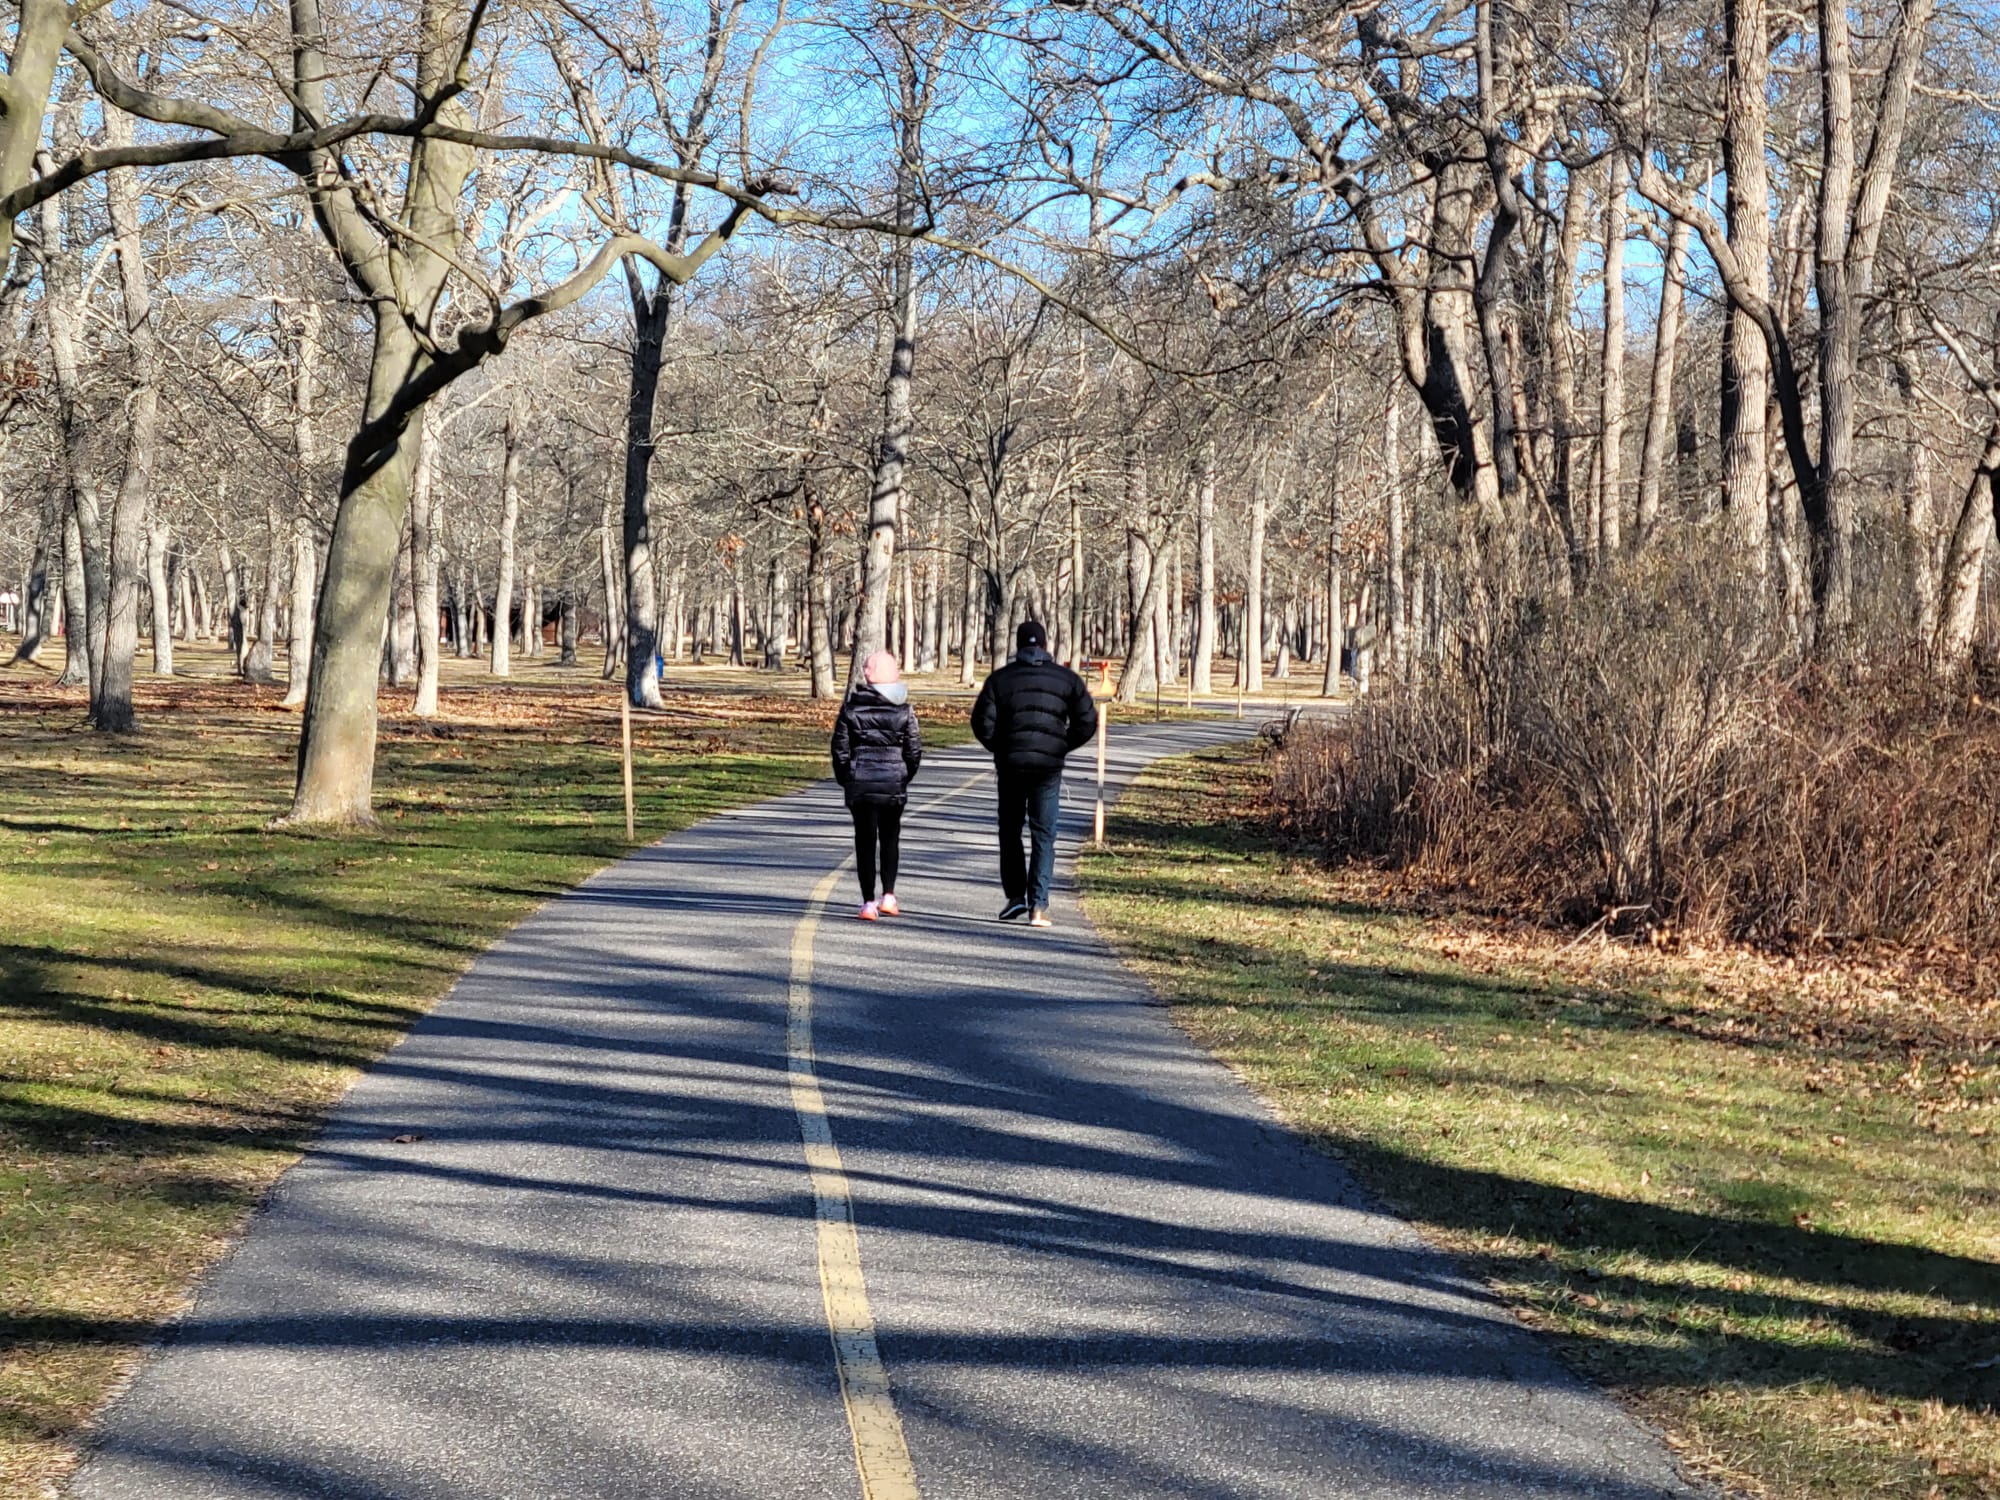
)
(870, 911)
(888, 905)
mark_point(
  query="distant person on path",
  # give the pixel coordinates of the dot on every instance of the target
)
(877, 748)
(1031, 714)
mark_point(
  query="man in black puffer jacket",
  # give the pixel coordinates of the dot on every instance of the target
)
(1031, 714)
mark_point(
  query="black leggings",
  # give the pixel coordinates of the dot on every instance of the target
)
(877, 822)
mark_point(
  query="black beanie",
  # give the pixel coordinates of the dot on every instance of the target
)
(1030, 634)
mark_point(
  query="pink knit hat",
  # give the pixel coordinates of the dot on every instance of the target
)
(880, 668)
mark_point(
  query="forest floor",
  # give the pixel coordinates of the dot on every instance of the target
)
(184, 991)
(1758, 1198)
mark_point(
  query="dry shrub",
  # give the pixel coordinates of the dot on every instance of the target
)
(1876, 820)
(1646, 753)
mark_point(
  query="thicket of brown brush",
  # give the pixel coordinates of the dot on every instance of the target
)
(1651, 752)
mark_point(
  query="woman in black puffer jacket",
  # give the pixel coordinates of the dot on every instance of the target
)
(876, 751)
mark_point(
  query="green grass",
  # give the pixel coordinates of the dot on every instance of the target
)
(184, 991)
(1760, 1202)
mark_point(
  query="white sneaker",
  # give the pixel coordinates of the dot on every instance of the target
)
(1040, 918)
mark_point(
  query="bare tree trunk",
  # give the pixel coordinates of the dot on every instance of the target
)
(1336, 616)
(1920, 526)
(305, 456)
(1142, 663)
(968, 639)
(1660, 397)
(1078, 584)
(1364, 616)
(736, 620)
(465, 606)
(1965, 559)
(819, 599)
(258, 663)
(1830, 505)
(1560, 337)
(426, 559)
(1611, 442)
(510, 515)
(566, 626)
(76, 621)
(1141, 596)
(35, 596)
(777, 605)
(1251, 668)
(892, 453)
(96, 580)
(1392, 467)
(639, 644)
(674, 626)
(932, 653)
(613, 575)
(85, 584)
(1202, 669)
(1414, 653)
(528, 633)
(159, 539)
(1746, 366)
(400, 638)
(234, 592)
(178, 568)
(482, 634)
(204, 604)
(336, 781)
(125, 553)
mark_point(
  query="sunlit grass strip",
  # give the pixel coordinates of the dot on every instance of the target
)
(1786, 1254)
(184, 992)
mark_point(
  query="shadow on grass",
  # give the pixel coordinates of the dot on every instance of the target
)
(1919, 1356)
(1758, 1297)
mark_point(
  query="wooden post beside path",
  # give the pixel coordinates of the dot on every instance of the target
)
(625, 737)
(1103, 728)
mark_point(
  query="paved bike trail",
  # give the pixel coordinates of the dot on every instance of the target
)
(562, 1243)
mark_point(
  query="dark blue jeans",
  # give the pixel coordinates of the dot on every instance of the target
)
(1035, 801)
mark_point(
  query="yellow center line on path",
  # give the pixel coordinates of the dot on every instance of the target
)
(880, 1453)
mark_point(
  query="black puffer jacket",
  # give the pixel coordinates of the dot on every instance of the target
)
(1033, 712)
(877, 746)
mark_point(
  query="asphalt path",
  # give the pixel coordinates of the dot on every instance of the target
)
(563, 1242)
